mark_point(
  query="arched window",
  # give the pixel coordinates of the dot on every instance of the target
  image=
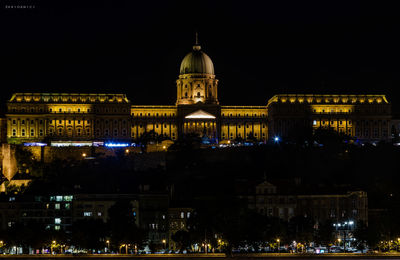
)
(198, 94)
(185, 94)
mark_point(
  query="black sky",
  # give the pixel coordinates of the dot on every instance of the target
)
(259, 48)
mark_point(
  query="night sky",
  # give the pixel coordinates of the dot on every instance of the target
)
(259, 48)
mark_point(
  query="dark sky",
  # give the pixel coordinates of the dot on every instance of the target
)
(259, 48)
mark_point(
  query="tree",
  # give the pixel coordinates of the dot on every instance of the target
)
(182, 238)
(122, 226)
(301, 228)
(186, 142)
(362, 236)
(146, 138)
(324, 235)
(89, 234)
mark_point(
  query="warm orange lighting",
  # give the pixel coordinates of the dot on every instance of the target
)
(164, 241)
(84, 155)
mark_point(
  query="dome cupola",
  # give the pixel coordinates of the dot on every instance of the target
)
(197, 62)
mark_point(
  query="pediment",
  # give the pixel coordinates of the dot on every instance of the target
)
(200, 114)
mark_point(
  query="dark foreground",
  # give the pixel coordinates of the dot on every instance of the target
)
(341, 256)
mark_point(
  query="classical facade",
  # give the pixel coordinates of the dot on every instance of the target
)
(268, 201)
(197, 109)
(40, 117)
(367, 117)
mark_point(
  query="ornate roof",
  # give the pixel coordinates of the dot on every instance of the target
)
(68, 98)
(197, 62)
(328, 99)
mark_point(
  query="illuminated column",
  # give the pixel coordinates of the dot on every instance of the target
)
(236, 129)
(229, 136)
(244, 130)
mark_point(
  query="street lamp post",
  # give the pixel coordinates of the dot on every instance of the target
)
(164, 243)
(279, 245)
(108, 245)
(53, 244)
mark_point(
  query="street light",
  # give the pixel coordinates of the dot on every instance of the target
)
(108, 245)
(279, 245)
(164, 243)
(53, 244)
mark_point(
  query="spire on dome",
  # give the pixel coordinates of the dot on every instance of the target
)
(196, 46)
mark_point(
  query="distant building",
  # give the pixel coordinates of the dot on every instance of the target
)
(41, 117)
(320, 207)
(178, 220)
(366, 117)
(58, 212)
(45, 117)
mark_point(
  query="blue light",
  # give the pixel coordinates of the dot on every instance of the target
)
(116, 145)
(276, 139)
(35, 144)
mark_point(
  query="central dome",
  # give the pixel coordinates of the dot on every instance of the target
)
(197, 62)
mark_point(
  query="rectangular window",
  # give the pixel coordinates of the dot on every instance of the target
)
(57, 221)
(87, 214)
(57, 206)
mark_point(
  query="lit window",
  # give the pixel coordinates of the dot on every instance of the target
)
(57, 206)
(68, 198)
(182, 214)
(67, 206)
(59, 198)
(57, 221)
(87, 214)
(99, 214)
(57, 227)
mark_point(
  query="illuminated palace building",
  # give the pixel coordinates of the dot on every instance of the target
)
(45, 117)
